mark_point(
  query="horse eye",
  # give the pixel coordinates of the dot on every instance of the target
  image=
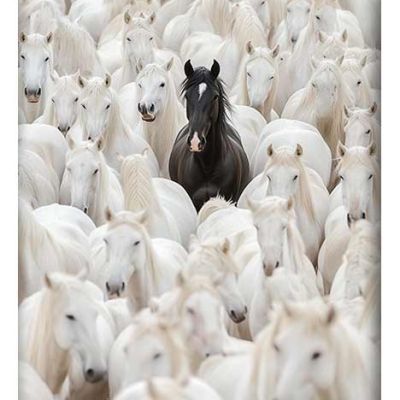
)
(190, 311)
(95, 171)
(105, 241)
(46, 59)
(288, 10)
(52, 100)
(308, 10)
(269, 178)
(22, 56)
(248, 74)
(368, 132)
(128, 39)
(157, 356)
(162, 84)
(316, 355)
(108, 106)
(70, 317)
(318, 17)
(341, 177)
(272, 77)
(83, 106)
(140, 85)
(370, 177)
(277, 349)
(76, 99)
(151, 38)
(295, 177)
(359, 83)
(314, 85)
(136, 243)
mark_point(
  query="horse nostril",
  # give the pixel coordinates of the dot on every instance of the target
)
(233, 314)
(26, 92)
(85, 210)
(123, 286)
(139, 107)
(151, 107)
(68, 128)
(277, 264)
(348, 219)
(90, 372)
(39, 91)
(293, 40)
(363, 215)
(245, 309)
(107, 287)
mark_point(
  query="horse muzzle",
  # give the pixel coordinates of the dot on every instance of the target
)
(196, 144)
(147, 113)
(33, 95)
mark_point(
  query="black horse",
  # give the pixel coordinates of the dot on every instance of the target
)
(208, 157)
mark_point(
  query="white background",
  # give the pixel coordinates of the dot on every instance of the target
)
(390, 197)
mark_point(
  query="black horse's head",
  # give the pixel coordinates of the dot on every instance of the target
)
(205, 103)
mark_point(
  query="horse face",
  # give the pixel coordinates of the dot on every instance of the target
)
(76, 331)
(305, 362)
(139, 47)
(358, 131)
(325, 18)
(283, 180)
(125, 251)
(326, 87)
(297, 15)
(263, 12)
(95, 112)
(271, 232)
(153, 89)
(260, 78)
(83, 168)
(65, 102)
(203, 323)
(202, 108)
(357, 189)
(332, 48)
(356, 81)
(35, 64)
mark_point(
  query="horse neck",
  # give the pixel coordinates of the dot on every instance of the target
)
(143, 284)
(100, 198)
(51, 362)
(138, 188)
(293, 249)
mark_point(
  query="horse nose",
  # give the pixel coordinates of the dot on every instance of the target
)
(237, 316)
(293, 39)
(151, 108)
(85, 210)
(115, 289)
(63, 128)
(93, 375)
(363, 215)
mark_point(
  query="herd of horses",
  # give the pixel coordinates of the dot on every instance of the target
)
(199, 199)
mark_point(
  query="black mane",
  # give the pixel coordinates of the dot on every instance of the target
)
(203, 75)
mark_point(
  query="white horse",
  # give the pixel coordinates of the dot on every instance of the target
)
(170, 211)
(202, 48)
(162, 114)
(47, 142)
(149, 347)
(307, 352)
(362, 128)
(31, 385)
(88, 182)
(61, 109)
(258, 80)
(49, 241)
(101, 116)
(37, 183)
(285, 175)
(322, 101)
(283, 132)
(35, 67)
(127, 261)
(65, 329)
(281, 248)
(167, 388)
(331, 46)
(141, 49)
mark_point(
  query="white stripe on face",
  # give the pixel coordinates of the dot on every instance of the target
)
(202, 89)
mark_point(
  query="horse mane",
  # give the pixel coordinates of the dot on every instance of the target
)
(203, 75)
(137, 184)
(284, 156)
(332, 126)
(264, 53)
(48, 11)
(211, 206)
(219, 14)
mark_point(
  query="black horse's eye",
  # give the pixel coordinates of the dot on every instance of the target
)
(46, 59)
(162, 84)
(368, 132)
(316, 355)
(215, 97)
(70, 317)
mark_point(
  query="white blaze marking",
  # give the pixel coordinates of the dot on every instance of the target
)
(202, 89)
(194, 143)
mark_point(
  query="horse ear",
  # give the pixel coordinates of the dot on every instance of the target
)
(363, 61)
(54, 76)
(76, 75)
(341, 149)
(70, 142)
(168, 65)
(275, 51)
(344, 36)
(373, 109)
(141, 217)
(49, 37)
(290, 203)
(48, 282)
(127, 17)
(215, 69)
(188, 69)
(322, 36)
(22, 37)
(299, 150)
(225, 246)
(52, 281)
(249, 47)
(314, 62)
(331, 315)
(339, 61)
(270, 150)
(109, 214)
(107, 80)
(347, 112)
(151, 18)
(82, 81)
(372, 149)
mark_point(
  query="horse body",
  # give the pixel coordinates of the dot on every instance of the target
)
(215, 163)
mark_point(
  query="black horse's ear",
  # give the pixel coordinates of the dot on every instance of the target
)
(188, 69)
(215, 69)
